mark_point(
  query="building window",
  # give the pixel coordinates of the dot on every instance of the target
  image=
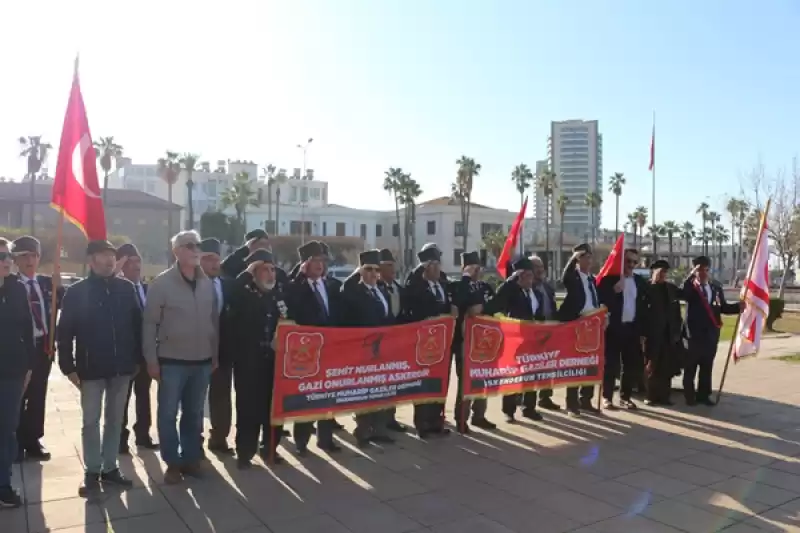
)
(293, 194)
(431, 227)
(457, 256)
(378, 230)
(487, 228)
(307, 226)
(340, 229)
(304, 194)
(363, 231)
(295, 227)
(269, 226)
(458, 229)
(324, 229)
(315, 194)
(395, 230)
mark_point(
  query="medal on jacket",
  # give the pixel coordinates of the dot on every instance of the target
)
(282, 309)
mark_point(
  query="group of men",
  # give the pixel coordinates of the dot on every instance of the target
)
(205, 325)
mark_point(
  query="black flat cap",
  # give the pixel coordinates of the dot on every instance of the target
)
(258, 255)
(584, 247)
(95, 247)
(256, 234)
(386, 256)
(210, 246)
(310, 249)
(326, 251)
(523, 264)
(370, 257)
(26, 245)
(127, 250)
(661, 263)
(429, 254)
(470, 258)
(702, 261)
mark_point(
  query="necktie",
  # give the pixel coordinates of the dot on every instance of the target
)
(216, 294)
(705, 291)
(36, 306)
(139, 296)
(375, 295)
(590, 281)
(529, 296)
(437, 291)
(318, 297)
(542, 297)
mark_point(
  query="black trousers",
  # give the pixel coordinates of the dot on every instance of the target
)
(140, 387)
(658, 371)
(699, 364)
(31, 414)
(624, 359)
(219, 403)
(302, 431)
(527, 400)
(579, 396)
(462, 406)
(254, 385)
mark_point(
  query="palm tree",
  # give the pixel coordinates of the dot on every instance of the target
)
(408, 192)
(641, 220)
(721, 236)
(688, 235)
(391, 184)
(702, 210)
(562, 202)
(240, 196)
(461, 190)
(744, 211)
(593, 200)
(522, 178)
(633, 221)
(670, 228)
(188, 164)
(615, 188)
(269, 179)
(655, 231)
(714, 218)
(280, 179)
(733, 207)
(35, 153)
(107, 151)
(493, 242)
(547, 183)
(169, 169)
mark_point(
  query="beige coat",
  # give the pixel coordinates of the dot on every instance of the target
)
(180, 323)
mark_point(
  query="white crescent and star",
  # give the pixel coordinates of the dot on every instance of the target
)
(78, 155)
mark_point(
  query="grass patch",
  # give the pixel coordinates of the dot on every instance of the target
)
(795, 358)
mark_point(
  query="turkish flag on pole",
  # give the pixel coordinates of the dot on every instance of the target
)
(76, 189)
(653, 149)
(613, 265)
(511, 241)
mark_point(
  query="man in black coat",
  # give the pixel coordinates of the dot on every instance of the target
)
(234, 264)
(129, 263)
(470, 294)
(581, 298)
(388, 279)
(662, 335)
(626, 300)
(17, 358)
(366, 304)
(427, 295)
(705, 301)
(255, 306)
(314, 301)
(27, 252)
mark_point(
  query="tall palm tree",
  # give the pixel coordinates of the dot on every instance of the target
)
(107, 151)
(269, 179)
(562, 202)
(655, 231)
(721, 236)
(169, 169)
(702, 210)
(633, 220)
(392, 179)
(408, 192)
(547, 183)
(670, 229)
(522, 178)
(188, 164)
(688, 235)
(35, 153)
(240, 196)
(744, 212)
(280, 179)
(733, 207)
(615, 187)
(713, 218)
(593, 201)
(461, 191)
(641, 220)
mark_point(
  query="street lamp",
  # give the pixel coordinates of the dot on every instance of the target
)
(304, 148)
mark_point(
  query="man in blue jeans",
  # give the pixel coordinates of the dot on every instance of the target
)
(180, 339)
(16, 361)
(99, 349)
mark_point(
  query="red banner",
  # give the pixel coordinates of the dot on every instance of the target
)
(507, 356)
(324, 372)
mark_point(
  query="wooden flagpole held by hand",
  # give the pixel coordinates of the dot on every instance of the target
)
(743, 296)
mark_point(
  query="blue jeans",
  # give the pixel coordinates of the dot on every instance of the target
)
(184, 387)
(107, 397)
(10, 401)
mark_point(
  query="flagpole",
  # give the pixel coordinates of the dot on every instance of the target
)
(653, 213)
(744, 296)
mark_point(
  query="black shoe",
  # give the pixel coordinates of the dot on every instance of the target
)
(549, 405)
(37, 453)
(463, 428)
(286, 433)
(115, 477)
(20, 456)
(510, 419)
(124, 449)
(573, 411)
(382, 439)
(532, 414)
(483, 423)
(690, 401)
(9, 498)
(608, 405)
(394, 425)
(330, 447)
(243, 464)
(147, 444)
(302, 451)
(706, 401)
(220, 448)
(336, 425)
(91, 484)
(628, 404)
(588, 407)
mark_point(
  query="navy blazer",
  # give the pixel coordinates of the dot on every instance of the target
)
(698, 321)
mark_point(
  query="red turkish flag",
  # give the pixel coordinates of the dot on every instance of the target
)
(614, 264)
(76, 189)
(511, 241)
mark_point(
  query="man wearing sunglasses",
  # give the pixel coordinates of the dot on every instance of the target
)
(16, 361)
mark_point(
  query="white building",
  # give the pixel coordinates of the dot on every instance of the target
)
(575, 149)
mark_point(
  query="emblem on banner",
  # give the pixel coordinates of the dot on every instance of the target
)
(431, 344)
(302, 354)
(485, 343)
(587, 334)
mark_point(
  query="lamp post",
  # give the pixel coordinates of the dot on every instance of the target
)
(304, 148)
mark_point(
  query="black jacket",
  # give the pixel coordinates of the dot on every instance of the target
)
(103, 319)
(420, 303)
(304, 308)
(252, 319)
(362, 310)
(512, 302)
(664, 322)
(575, 300)
(233, 265)
(16, 330)
(467, 293)
(698, 321)
(614, 302)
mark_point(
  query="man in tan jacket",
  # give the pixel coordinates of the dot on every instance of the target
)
(181, 328)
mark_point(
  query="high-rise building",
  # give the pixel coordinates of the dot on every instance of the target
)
(575, 150)
(540, 203)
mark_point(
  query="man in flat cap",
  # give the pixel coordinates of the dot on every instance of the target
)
(470, 294)
(662, 335)
(581, 298)
(102, 319)
(314, 301)
(129, 264)
(256, 239)
(255, 305)
(27, 253)
(388, 279)
(705, 301)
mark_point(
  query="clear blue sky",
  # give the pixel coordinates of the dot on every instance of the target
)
(418, 83)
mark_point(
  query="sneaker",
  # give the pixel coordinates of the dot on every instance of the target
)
(9, 498)
(91, 484)
(173, 475)
(115, 477)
